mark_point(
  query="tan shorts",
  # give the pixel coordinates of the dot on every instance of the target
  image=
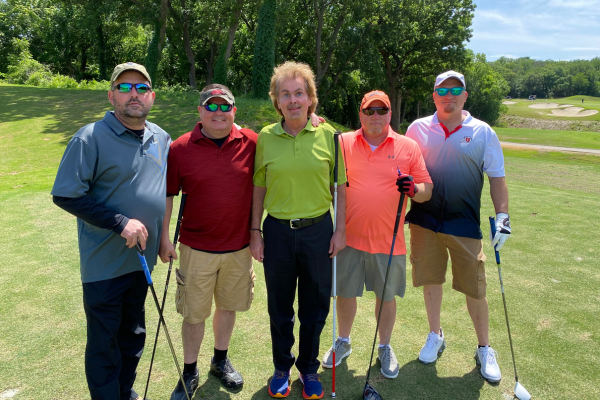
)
(229, 277)
(429, 259)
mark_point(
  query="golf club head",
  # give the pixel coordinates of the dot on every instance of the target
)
(370, 393)
(521, 393)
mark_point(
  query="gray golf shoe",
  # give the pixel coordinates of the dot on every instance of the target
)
(485, 357)
(389, 362)
(342, 350)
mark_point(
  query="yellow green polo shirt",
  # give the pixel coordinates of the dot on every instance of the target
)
(297, 171)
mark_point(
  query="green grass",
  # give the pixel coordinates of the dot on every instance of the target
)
(522, 108)
(580, 139)
(550, 270)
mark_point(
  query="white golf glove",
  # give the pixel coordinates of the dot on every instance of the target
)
(502, 230)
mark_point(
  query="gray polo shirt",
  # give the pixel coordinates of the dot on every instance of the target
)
(107, 162)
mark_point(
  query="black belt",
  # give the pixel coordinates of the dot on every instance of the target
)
(300, 222)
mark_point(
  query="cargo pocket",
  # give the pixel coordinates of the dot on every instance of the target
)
(180, 303)
(251, 287)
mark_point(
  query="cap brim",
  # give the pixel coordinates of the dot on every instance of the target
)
(221, 96)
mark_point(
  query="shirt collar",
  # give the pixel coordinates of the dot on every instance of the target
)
(280, 131)
(468, 119)
(119, 128)
(198, 135)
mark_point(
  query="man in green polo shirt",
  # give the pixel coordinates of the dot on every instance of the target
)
(112, 177)
(293, 180)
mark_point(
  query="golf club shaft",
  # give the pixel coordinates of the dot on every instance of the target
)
(162, 307)
(160, 314)
(334, 286)
(497, 253)
(387, 272)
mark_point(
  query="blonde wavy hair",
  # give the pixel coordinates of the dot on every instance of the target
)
(293, 70)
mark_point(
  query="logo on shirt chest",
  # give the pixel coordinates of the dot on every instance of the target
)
(391, 157)
(466, 139)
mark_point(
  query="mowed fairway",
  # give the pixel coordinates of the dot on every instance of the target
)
(581, 139)
(550, 269)
(522, 109)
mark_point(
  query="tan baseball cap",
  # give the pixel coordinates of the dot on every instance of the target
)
(129, 66)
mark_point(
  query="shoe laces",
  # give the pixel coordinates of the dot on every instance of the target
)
(338, 343)
(311, 378)
(386, 355)
(489, 356)
(280, 374)
(432, 338)
(227, 367)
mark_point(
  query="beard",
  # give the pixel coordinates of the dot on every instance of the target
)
(127, 112)
(449, 108)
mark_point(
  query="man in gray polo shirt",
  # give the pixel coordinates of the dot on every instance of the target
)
(112, 177)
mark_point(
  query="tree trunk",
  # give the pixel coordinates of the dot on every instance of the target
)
(418, 109)
(233, 28)
(83, 59)
(210, 62)
(164, 11)
(102, 53)
(188, 45)
(395, 95)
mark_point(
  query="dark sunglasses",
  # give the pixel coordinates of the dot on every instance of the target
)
(372, 110)
(456, 91)
(141, 88)
(212, 107)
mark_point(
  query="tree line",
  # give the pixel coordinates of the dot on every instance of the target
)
(353, 46)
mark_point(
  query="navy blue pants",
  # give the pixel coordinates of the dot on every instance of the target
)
(116, 332)
(297, 257)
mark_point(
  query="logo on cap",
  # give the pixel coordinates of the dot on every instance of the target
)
(217, 91)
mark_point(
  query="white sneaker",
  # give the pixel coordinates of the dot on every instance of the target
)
(486, 358)
(433, 348)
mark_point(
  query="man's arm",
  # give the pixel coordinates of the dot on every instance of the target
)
(424, 193)
(338, 240)
(257, 244)
(499, 193)
(166, 248)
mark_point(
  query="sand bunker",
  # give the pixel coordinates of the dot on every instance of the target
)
(550, 105)
(573, 112)
(509, 102)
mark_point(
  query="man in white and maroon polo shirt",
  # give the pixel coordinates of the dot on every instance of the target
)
(213, 164)
(373, 155)
(457, 149)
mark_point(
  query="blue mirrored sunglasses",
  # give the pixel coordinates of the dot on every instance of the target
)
(141, 88)
(456, 91)
(212, 107)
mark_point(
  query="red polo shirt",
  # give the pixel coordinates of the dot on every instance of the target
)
(218, 181)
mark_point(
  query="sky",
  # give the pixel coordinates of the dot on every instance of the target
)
(540, 29)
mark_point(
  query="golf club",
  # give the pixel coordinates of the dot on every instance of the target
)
(142, 258)
(520, 392)
(162, 307)
(334, 288)
(369, 392)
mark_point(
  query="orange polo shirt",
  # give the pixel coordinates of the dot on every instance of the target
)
(372, 195)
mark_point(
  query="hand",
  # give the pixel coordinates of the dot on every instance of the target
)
(503, 230)
(315, 120)
(257, 246)
(406, 185)
(337, 243)
(135, 231)
(166, 250)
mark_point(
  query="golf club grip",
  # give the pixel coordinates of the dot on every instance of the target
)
(493, 231)
(145, 268)
(336, 144)
(399, 214)
(179, 218)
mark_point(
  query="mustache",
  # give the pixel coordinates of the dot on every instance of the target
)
(133, 100)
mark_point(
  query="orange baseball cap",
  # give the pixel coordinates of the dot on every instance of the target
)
(375, 95)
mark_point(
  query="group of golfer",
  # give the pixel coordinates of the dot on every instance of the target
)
(119, 177)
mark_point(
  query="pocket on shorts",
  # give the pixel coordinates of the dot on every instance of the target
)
(180, 303)
(251, 286)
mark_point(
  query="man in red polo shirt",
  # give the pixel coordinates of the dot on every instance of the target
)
(213, 164)
(374, 155)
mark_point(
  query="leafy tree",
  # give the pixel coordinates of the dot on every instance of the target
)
(486, 89)
(264, 50)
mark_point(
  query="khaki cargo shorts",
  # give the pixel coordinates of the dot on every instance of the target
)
(357, 269)
(228, 277)
(429, 259)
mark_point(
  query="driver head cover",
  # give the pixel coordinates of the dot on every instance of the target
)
(370, 393)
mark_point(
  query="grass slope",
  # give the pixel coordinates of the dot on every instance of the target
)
(581, 139)
(550, 270)
(522, 108)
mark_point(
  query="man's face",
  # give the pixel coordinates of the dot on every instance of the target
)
(375, 125)
(449, 103)
(132, 105)
(293, 99)
(217, 123)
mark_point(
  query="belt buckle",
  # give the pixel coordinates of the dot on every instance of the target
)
(292, 223)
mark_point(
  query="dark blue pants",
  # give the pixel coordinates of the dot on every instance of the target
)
(116, 331)
(297, 256)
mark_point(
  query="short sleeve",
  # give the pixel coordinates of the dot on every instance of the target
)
(418, 169)
(76, 170)
(173, 173)
(493, 161)
(260, 169)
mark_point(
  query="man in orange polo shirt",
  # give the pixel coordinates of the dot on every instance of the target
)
(380, 163)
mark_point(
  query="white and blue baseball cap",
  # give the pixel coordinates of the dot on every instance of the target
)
(449, 74)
